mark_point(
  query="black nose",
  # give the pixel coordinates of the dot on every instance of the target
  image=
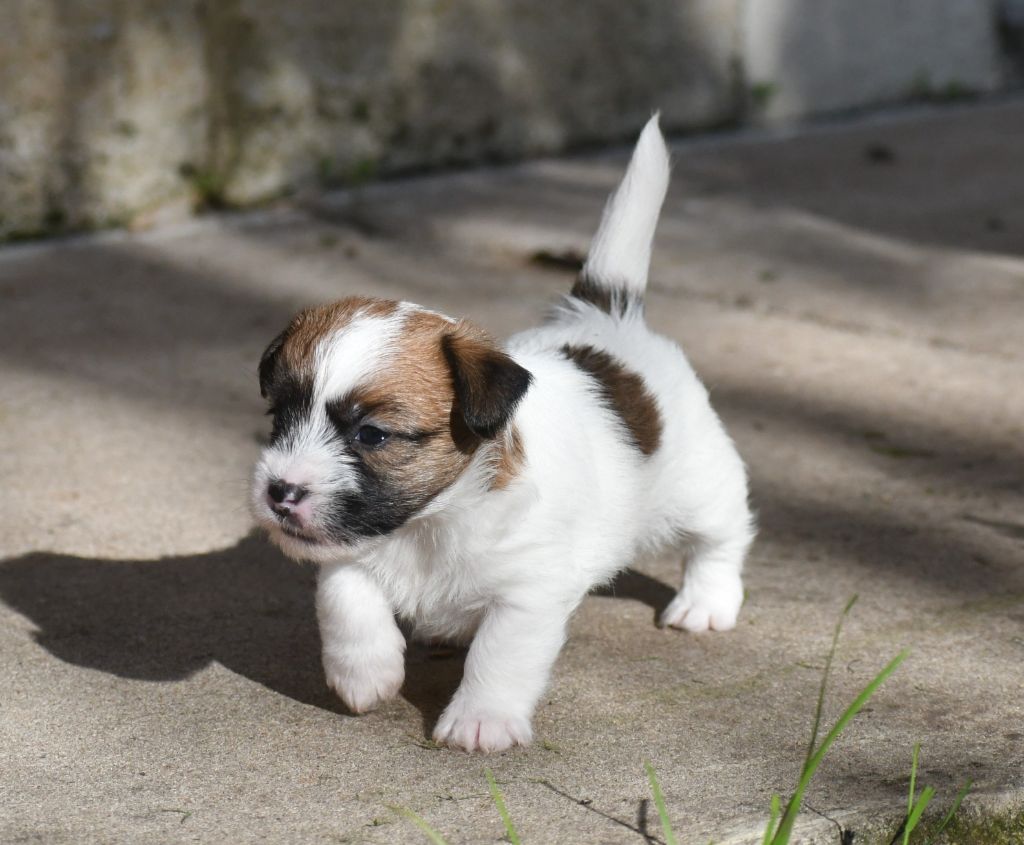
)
(283, 493)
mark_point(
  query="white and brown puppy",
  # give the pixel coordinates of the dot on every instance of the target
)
(478, 491)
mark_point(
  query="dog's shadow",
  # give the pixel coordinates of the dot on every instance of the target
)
(246, 607)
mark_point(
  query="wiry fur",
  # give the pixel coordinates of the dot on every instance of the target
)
(553, 493)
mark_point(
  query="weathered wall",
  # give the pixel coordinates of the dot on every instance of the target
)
(100, 103)
(116, 111)
(813, 56)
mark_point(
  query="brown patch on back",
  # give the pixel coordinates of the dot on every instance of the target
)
(511, 459)
(625, 393)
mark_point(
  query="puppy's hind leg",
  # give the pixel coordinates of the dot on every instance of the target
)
(712, 589)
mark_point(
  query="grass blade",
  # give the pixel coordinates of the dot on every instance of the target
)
(913, 778)
(824, 681)
(773, 816)
(905, 827)
(421, 823)
(915, 814)
(793, 807)
(952, 811)
(659, 802)
(499, 802)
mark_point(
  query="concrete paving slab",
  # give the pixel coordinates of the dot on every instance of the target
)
(854, 298)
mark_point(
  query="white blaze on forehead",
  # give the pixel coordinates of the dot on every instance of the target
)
(350, 356)
(310, 454)
(413, 308)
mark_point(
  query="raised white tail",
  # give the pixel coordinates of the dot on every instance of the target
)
(620, 254)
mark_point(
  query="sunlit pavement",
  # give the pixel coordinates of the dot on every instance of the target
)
(853, 297)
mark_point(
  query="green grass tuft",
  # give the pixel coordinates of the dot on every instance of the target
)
(824, 678)
(974, 827)
(773, 816)
(916, 805)
(781, 834)
(1001, 830)
(659, 802)
(954, 807)
(421, 823)
(499, 802)
(762, 93)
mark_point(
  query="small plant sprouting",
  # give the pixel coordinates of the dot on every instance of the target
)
(780, 835)
(659, 802)
(916, 805)
(420, 822)
(762, 93)
(499, 802)
(780, 821)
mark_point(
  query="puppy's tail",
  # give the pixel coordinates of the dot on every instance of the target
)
(614, 276)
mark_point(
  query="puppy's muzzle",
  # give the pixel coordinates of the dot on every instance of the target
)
(284, 499)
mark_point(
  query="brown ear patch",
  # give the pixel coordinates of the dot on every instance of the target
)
(625, 393)
(488, 383)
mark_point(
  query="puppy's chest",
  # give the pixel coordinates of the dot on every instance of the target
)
(443, 596)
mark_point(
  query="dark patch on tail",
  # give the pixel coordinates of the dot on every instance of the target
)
(610, 299)
(625, 393)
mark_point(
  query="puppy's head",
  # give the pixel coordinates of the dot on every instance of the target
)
(377, 408)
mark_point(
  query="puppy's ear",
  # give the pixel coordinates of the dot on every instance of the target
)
(268, 363)
(488, 383)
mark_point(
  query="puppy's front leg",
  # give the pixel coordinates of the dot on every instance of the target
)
(363, 650)
(507, 668)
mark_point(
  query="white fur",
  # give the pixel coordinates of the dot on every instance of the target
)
(363, 648)
(504, 569)
(309, 456)
(621, 250)
(350, 357)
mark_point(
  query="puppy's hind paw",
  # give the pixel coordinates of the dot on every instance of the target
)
(699, 609)
(470, 730)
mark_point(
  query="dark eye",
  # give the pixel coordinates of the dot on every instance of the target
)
(370, 435)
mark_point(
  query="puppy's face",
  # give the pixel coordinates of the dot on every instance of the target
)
(377, 408)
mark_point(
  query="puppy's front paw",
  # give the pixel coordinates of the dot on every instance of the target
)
(364, 679)
(713, 606)
(476, 729)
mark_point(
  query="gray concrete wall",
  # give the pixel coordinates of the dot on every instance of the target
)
(115, 112)
(811, 56)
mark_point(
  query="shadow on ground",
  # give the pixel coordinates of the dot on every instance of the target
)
(246, 607)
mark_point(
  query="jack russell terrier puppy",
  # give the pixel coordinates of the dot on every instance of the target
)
(478, 491)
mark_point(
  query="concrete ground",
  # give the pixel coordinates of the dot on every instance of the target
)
(854, 298)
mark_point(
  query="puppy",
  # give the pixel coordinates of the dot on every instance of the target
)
(479, 491)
